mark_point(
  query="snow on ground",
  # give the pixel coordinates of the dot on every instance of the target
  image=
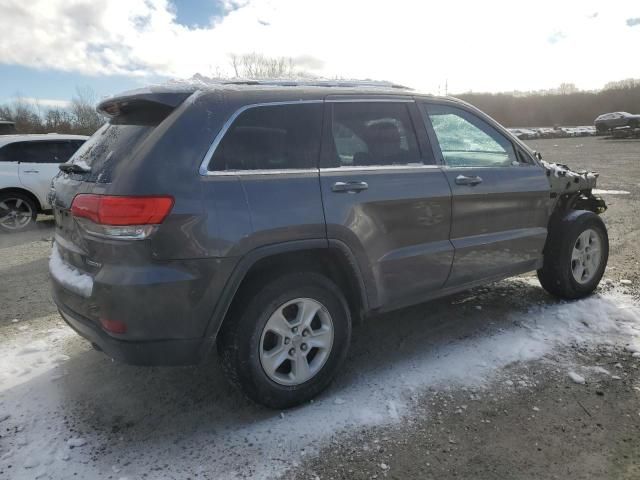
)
(27, 354)
(597, 191)
(102, 418)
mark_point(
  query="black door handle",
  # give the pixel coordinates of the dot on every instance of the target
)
(349, 187)
(464, 180)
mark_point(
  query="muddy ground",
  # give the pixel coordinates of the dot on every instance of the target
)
(471, 386)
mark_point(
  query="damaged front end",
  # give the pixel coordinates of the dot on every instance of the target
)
(572, 190)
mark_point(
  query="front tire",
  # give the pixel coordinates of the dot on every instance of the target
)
(286, 339)
(575, 256)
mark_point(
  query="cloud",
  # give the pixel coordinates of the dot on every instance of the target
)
(46, 102)
(472, 45)
(555, 37)
(632, 22)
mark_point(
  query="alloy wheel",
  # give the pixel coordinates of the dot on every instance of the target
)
(15, 213)
(296, 341)
(586, 256)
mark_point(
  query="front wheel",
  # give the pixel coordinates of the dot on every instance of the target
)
(575, 256)
(284, 341)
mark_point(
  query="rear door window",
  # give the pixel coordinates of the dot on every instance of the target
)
(271, 138)
(372, 134)
(39, 151)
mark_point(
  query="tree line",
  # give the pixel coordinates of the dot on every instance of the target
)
(80, 117)
(565, 106)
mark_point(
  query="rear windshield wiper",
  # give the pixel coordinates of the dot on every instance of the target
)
(74, 168)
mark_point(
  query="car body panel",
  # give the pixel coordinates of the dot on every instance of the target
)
(498, 224)
(610, 121)
(399, 227)
(411, 235)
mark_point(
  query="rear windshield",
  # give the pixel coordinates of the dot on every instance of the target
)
(108, 146)
(115, 141)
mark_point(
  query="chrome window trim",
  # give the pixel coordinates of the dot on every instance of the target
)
(204, 165)
(370, 100)
(281, 171)
(359, 168)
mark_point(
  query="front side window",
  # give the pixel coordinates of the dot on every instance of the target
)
(467, 141)
(271, 138)
(370, 134)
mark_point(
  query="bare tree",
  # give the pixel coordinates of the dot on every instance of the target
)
(24, 114)
(30, 117)
(83, 107)
(258, 66)
(59, 120)
(567, 88)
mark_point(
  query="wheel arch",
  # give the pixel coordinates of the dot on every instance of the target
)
(25, 192)
(335, 260)
(563, 217)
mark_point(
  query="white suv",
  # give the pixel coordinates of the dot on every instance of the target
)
(27, 165)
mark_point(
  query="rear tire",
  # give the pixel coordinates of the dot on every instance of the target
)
(18, 212)
(575, 256)
(277, 354)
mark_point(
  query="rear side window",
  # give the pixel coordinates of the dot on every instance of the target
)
(39, 151)
(372, 133)
(468, 141)
(271, 138)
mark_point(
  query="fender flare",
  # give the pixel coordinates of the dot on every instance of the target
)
(252, 257)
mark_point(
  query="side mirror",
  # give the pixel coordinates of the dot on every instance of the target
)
(538, 155)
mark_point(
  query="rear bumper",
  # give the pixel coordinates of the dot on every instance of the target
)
(157, 352)
(166, 307)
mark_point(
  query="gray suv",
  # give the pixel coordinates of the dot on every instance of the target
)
(265, 218)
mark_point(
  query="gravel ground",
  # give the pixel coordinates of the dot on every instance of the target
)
(472, 386)
(577, 431)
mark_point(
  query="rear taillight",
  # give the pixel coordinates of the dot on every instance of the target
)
(109, 216)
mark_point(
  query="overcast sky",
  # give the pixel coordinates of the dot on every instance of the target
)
(50, 46)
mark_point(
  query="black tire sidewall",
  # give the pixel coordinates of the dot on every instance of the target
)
(32, 205)
(558, 262)
(247, 333)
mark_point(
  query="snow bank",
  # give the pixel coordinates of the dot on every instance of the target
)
(69, 277)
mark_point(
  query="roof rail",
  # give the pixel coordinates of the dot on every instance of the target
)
(316, 83)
